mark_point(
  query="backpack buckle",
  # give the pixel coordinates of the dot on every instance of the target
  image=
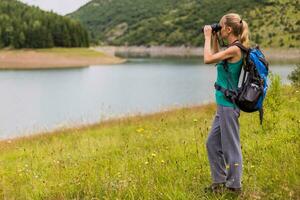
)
(226, 93)
(230, 94)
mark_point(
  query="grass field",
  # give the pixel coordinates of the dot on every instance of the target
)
(159, 156)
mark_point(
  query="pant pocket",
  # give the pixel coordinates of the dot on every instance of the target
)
(237, 112)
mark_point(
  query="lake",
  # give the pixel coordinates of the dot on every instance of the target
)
(40, 100)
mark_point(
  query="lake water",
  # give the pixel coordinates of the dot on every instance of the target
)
(38, 100)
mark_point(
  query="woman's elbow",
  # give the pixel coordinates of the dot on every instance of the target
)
(207, 58)
(207, 61)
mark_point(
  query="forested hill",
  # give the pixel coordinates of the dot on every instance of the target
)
(273, 23)
(23, 26)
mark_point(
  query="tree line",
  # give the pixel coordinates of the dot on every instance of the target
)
(23, 26)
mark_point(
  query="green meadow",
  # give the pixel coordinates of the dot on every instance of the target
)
(158, 156)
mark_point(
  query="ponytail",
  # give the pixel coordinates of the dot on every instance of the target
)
(244, 35)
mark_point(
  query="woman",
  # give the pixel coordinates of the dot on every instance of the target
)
(223, 143)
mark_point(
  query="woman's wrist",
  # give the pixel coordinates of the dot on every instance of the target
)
(207, 37)
(207, 44)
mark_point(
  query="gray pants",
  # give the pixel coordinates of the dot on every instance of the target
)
(224, 149)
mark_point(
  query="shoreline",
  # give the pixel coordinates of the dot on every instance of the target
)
(108, 122)
(63, 58)
(291, 55)
(56, 58)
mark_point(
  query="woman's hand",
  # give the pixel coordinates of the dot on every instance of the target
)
(207, 31)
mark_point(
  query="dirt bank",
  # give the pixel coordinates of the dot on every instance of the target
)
(54, 58)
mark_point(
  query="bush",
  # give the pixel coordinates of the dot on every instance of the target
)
(295, 76)
(273, 104)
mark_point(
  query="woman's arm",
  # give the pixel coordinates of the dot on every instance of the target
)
(210, 57)
(215, 44)
(222, 55)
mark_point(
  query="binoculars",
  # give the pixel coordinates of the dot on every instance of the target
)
(216, 27)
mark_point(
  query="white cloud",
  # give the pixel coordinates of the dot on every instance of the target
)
(59, 6)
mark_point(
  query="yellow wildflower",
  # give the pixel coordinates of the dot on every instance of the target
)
(139, 130)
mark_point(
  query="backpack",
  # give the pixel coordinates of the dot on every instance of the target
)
(249, 96)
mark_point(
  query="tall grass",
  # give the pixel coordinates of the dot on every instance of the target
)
(159, 156)
(295, 76)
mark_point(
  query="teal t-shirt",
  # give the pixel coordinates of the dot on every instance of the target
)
(234, 70)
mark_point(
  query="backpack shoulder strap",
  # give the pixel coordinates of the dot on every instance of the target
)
(245, 53)
(241, 46)
(245, 50)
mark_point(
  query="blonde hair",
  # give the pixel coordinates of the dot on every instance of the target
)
(239, 27)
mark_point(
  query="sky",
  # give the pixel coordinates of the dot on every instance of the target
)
(59, 6)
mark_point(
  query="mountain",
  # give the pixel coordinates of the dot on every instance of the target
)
(273, 23)
(23, 26)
